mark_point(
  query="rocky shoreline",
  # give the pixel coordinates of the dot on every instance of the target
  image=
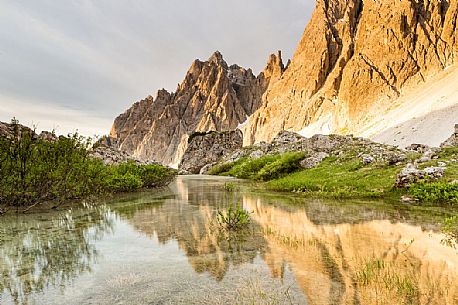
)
(416, 164)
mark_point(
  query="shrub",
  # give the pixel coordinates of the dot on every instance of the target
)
(439, 192)
(155, 175)
(221, 169)
(33, 170)
(248, 169)
(287, 163)
(234, 218)
(124, 182)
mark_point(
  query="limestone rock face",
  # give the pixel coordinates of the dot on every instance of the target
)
(354, 59)
(212, 97)
(209, 148)
(453, 140)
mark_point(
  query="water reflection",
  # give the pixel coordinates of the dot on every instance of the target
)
(189, 219)
(335, 252)
(368, 262)
(39, 251)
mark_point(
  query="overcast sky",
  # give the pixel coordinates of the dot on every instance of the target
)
(77, 64)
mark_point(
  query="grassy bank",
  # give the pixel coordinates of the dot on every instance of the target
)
(34, 170)
(345, 177)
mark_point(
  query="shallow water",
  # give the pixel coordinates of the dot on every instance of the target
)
(163, 247)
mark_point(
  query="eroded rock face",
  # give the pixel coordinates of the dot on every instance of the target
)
(354, 59)
(205, 150)
(212, 97)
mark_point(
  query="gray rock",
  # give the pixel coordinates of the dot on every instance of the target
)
(257, 154)
(204, 170)
(423, 159)
(453, 140)
(441, 164)
(314, 160)
(411, 174)
(209, 149)
(408, 199)
(367, 159)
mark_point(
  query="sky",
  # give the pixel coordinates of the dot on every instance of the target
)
(74, 65)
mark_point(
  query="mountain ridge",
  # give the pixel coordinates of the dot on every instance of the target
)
(213, 96)
(355, 60)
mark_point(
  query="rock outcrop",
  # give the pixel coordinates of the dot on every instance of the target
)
(354, 59)
(212, 97)
(217, 149)
(453, 140)
(205, 150)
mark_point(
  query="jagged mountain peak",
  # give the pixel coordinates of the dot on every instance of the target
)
(217, 58)
(353, 62)
(212, 97)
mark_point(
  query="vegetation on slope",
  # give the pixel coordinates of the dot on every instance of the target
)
(34, 170)
(340, 179)
(345, 176)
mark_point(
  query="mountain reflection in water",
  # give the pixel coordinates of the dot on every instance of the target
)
(296, 251)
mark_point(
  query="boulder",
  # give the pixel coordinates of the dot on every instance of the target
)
(314, 160)
(411, 174)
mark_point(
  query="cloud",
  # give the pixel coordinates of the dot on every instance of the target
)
(94, 58)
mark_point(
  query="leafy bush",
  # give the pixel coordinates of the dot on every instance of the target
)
(436, 192)
(33, 170)
(127, 182)
(154, 175)
(221, 169)
(287, 163)
(248, 169)
(234, 218)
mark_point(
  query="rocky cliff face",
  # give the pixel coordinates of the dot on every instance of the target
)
(355, 58)
(212, 97)
(205, 150)
(356, 61)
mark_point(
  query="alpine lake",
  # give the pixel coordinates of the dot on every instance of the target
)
(165, 247)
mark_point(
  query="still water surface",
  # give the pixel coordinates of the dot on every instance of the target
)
(163, 247)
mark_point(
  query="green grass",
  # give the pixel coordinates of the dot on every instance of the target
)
(437, 192)
(450, 229)
(345, 176)
(223, 169)
(231, 187)
(249, 168)
(265, 168)
(337, 178)
(283, 165)
(379, 273)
